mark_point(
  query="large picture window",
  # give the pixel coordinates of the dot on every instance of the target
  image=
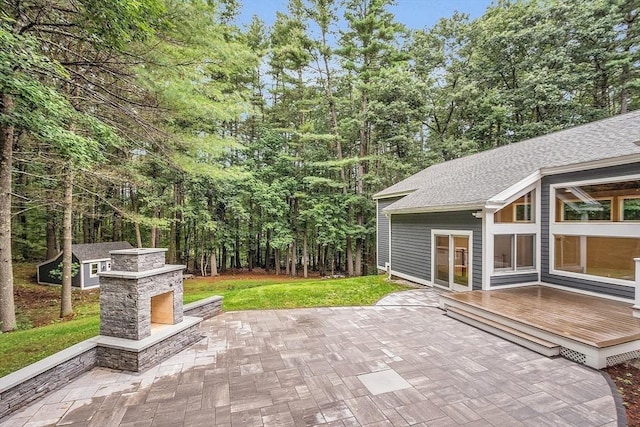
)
(610, 257)
(513, 252)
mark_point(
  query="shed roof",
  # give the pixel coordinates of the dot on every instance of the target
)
(475, 179)
(91, 251)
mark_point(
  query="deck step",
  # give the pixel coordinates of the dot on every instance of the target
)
(531, 342)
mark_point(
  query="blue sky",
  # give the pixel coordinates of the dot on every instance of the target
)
(415, 14)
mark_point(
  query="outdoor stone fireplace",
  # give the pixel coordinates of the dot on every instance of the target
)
(141, 310)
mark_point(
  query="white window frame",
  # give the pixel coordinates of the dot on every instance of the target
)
(628, 229)
(91, 273)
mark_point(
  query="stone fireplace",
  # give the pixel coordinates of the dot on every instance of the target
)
(140, 290)
(141, 310)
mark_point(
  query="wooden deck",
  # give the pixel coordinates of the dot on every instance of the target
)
(596, 322)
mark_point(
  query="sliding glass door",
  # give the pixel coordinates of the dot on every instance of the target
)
(452, 263)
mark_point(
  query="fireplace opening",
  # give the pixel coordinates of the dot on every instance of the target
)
(161, 311)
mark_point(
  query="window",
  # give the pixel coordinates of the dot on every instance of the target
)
(521, 210)
(612, 201)
(610, 257)
(93, 268)
(513, 252)
(577, 210)
(630, 209)
(525, 251)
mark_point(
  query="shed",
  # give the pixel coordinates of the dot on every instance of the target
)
(92, 259)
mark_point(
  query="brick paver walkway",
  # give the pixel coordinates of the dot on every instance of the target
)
(303, 367)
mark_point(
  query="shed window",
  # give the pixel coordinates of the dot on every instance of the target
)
(94, 266)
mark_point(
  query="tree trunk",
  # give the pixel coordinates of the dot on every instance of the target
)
(116, 231)
(223, 259)
(287, 264)
(267, 252)
(358, 261)
(214, 264)
(250, 242)
(171, 252)
(349, 257)
(276, 255)
(238, 264)
(51, 235)
(154, 229)
(65, 304)
(305, 262)
(7, 305)
(138, 236)
(294, 259)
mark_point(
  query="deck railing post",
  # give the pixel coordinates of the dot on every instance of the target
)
(636, 306)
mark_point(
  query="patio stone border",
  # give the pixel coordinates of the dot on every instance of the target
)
(30, 383)
(621, 410)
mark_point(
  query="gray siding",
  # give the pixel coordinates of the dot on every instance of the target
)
(581, 284)
(86, 272)
(512, 279)
(411, 241)
(382, 228)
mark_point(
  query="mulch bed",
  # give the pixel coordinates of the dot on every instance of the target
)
(627, 379)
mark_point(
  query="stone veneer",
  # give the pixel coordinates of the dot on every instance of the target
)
(125, 292)
(33, 382)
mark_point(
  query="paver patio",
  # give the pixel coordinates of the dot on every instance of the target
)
(303, 367)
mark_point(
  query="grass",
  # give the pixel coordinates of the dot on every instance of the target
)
(23, 347)
(253, 295)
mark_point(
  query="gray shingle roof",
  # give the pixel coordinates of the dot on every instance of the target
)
(474, 179)
(89, 251)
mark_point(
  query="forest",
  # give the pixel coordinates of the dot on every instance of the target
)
(167, 123)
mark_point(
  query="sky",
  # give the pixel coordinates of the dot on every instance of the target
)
(416, 14)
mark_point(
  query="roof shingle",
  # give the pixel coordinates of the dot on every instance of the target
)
(90, 251)
(474, 179)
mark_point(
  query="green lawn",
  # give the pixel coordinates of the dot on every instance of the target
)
(21, 348)
(272, 294)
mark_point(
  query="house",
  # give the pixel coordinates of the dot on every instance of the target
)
(562, 209)
(541, 234)
(91, 258)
